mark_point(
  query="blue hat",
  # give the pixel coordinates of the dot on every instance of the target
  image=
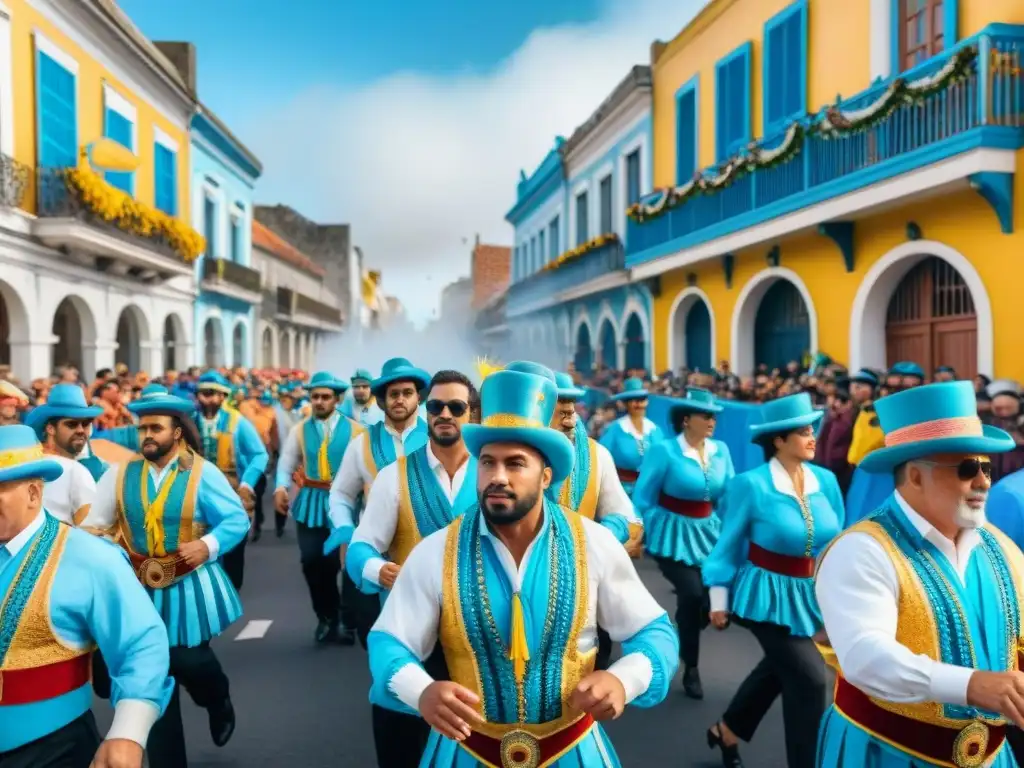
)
(161, 404)
(632, 389)
(399, 369)
(153, 389)
(697, 400)
(864, 376)
(906, 368)
(516, 407)
(66, 401)
(567, 389)
(215, 381)
(935, 418)
(22, 457)
(266, 397)
(786, 414)
(324, 380)
(361, 376)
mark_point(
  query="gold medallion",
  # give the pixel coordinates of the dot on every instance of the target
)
(153, 574)
(971, 746)
(519, 749)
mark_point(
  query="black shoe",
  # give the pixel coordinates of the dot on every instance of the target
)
(346, 636)
(326, 631)
(730, 755)
(222, 722)
(691, 684)
(256, 535)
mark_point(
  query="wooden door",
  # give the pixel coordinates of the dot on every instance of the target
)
(782, 330)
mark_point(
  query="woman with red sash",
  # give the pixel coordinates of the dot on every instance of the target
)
(776, 519)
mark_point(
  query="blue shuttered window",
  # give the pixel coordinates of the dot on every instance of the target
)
(582, 224)
(57, 111)
(686, 132)
(542, 252)
(236, 239)
(165, 163)
(732, 102)
(119, 128)
(606, 223)
(785, 67)
(209, 225)
(633, 177)
(553, 239)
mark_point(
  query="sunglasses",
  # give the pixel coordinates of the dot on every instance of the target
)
(456, 407)
(209, 392)
(967, 469)
(76, 423)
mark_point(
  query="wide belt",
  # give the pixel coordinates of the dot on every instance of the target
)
(969, 747)
(627, 475)
(159, 572)
(302, 481)
(685, 507)
(521, 749)
(29, 686)
(784, 565)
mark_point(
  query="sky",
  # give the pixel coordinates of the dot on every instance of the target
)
(408, 120)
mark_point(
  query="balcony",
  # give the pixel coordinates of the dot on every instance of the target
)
(99, 226)
(953, 122)
(600, 267)
(300, 309)
(231, 279)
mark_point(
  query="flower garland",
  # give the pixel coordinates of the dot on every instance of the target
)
(834, 123)
(581, 250)
(129, 215)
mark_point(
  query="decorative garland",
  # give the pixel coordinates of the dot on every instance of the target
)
(581, 250)
(833, 123)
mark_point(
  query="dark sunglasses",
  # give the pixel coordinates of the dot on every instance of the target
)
(76, 423)
(456, 407)
(209, 392)
(967, 469)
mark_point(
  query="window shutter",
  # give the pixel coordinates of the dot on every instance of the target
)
(58, 129)
(722, 112)
(166, 183)
(793, 68)
(686, 159)
(778, 60)
(739, 90)
(119, 129)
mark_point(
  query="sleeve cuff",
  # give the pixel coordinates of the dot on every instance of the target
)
(133, 720)
(635, 672)
(719, 597)
(409, 683)
(948, 684)
(371, 571)
(213, 545)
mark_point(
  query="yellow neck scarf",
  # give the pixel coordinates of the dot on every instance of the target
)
(154, 513)
(518, 649)
(322, 460)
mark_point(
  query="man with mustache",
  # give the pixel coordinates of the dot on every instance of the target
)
(516, 554)
(362, 406)
(414, 497)
(922, 601)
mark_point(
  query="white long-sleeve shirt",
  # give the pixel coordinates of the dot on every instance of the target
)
(612, 498)
(379, 520)
(858, 592)
(291, 454)
(72, 493)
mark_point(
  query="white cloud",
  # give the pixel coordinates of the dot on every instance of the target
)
(418, 163)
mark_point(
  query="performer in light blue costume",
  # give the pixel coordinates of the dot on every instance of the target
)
(63, 594)
(63, 424)
(922, 600)
(285, 412)
(679, 487)
(128, 437)
(309, 460)
(361, 405)
(176, 515)
(776, 519)
(234, 446)
(524, 690)
(629, 439)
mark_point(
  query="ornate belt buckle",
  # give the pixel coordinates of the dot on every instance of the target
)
(153, 574)
(971, 746)
(520, 749)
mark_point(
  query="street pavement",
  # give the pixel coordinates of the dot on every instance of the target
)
(303, 706)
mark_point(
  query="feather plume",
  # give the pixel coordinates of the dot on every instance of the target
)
(485, 367)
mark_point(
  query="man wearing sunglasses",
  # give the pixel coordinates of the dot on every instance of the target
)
(414, 497)
(922, 601)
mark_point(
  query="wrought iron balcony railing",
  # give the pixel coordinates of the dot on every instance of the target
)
(14, 180)
(291, 302)
(546, 284)
(232, 272)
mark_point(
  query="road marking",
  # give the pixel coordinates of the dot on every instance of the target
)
(254, 630)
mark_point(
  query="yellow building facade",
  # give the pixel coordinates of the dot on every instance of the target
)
(882, 229)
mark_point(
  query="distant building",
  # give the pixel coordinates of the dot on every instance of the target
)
(490, 268)
(457, 300)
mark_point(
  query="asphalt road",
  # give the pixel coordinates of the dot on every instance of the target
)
(303, 706)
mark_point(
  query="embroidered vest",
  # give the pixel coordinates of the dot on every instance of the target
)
(165, 527)
(937, 618)
(314, 453)
(223, 444)
(423, 506)
(478, 656)
(578, 493)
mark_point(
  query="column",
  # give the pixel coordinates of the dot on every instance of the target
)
(151, 358)
(33, 359)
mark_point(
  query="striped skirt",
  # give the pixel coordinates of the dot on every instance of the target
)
(311, 507)
(199, 607)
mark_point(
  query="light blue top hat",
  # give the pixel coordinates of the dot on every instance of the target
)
(907, 368)
(22, 457)
(935, 418)
(361, 376)
(567, 389)
(632, 389)
(215, 381)
(516, 406)
(398, 369)
(66, 401)
(785, 415)
(161, 404)
(153, 389)
(697, 400)
(325, 380)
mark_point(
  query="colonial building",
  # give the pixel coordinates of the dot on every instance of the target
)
(298, 308)
(95, 268)
(876, 228)
(571, 296)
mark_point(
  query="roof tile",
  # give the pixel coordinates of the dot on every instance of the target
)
(270, 241)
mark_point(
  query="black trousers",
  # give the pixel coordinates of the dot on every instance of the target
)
(400, 739)
(604, 650)
(692, 606)
(259, 491)
(320, 570)
(72, 746)
(233, 563)
(199, 672)
(793, 668)
(1015, 737)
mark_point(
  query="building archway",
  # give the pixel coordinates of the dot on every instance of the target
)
(213, 343)
(691, 342)
(583, 360)
(267, 348)
(14, 328)
(74, 326)
(175, 343)
(771, 324)
(238, 344)
(132, 333)
(608, 345)
(885, 322)
(635, 343)
(285, 346)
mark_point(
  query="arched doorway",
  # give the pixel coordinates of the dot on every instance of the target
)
(132, 332)
(698, 338)
(635, 343)
(609, 345)
(782, 331)
(285, 360)
(174, 343)
(583, 360)
(267, 348)
(692, 332)
(931, 320)
(213, 343)
(74, 327)
(238, 345)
